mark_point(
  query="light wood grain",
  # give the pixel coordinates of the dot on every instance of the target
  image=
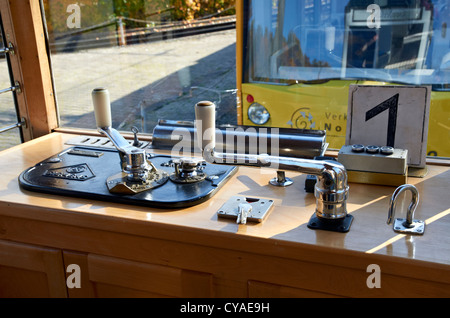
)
(281, 251)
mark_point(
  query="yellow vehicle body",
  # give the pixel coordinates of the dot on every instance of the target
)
(324, 107)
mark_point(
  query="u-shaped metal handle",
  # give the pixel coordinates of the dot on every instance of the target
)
(408, 225)
(412, 206)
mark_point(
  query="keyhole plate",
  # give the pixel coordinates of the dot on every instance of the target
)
(260, 208)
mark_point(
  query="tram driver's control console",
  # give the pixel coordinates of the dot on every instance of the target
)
(125, 173)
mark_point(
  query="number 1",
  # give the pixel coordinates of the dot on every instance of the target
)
(392, 105)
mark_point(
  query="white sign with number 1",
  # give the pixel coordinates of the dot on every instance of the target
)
(395, 116)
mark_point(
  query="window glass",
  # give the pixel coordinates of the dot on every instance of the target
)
(157, 58)
(301, 56)
(312, 40)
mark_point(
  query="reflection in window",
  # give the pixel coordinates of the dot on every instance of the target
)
(157, 60)
(310, 40)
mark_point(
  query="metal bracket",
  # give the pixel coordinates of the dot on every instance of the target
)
(98, 142)
(339, 225)
(416, 227)
(245, 209)
(281, 180)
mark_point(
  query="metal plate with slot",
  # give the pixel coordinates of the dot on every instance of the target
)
(98, 142)
(256, 209)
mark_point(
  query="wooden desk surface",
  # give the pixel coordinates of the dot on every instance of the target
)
(282, 233)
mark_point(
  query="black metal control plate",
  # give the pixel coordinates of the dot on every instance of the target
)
(82, 172)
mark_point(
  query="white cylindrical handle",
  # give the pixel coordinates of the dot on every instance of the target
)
(102, 107)
(205, 121)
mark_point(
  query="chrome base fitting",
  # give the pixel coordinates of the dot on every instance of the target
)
(188, 170)
(402, 226)
(120, 183)
(341, 225)
(281, 180)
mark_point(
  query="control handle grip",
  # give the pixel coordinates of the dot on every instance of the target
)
(102, 107)
(205, 115)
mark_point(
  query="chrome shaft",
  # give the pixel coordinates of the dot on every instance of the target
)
(331, 190)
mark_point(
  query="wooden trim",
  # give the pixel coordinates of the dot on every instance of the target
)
(239, 57)
(37, 102)
(5, 13)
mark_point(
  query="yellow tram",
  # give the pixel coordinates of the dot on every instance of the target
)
(297, 58)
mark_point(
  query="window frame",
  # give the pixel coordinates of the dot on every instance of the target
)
(30, 65)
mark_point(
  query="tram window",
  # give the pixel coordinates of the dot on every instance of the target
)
(311, 40)
(301, 55)
(157, 59)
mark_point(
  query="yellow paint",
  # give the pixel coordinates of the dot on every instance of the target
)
(324, 106)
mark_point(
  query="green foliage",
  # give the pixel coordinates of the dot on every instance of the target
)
(98, 11)
(192, 9)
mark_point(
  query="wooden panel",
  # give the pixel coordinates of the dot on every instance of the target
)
(112, 291)
(30, 271)
(89, 288)
(340, 273)
(155, 279)
(266, 290)
(22, 283)
(86, 289)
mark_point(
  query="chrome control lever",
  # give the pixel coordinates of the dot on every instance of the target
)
(133, 159)
(331, 189)
(139, 174)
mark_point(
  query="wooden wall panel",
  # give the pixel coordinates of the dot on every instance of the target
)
(147, 278)
(31, 271)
